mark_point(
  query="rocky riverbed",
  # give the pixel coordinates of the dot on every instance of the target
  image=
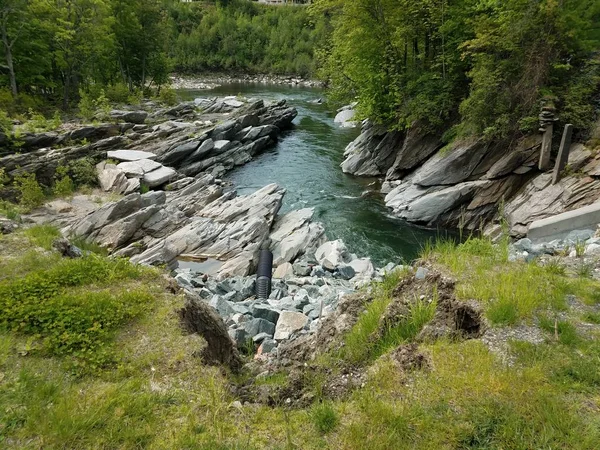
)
(210, 81)
(174, 210)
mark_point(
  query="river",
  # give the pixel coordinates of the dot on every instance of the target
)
(306, 161)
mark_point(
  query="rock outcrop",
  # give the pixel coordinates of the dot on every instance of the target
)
(184, 138)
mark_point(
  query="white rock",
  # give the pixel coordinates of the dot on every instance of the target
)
(289, 322)
(331, 254)
(138, 168)
(159, 176)
(234, 103)
(592, 250)
(130, 155)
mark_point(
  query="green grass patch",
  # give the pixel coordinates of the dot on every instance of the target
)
(324, 417)
(510, 292)
(42, 235)
(363, 344)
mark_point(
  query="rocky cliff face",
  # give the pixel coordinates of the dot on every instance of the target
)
(463, 186)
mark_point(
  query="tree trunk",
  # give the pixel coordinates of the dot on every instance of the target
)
(9, 63)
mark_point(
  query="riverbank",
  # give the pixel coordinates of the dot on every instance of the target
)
(209, 81)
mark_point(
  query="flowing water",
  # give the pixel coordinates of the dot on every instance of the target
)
(306, 161)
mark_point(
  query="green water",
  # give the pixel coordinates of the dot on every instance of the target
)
(306, 162)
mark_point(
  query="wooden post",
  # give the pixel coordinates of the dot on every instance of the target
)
(546, 148)
(563, 153)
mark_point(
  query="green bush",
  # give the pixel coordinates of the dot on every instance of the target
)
(83, 172)
(118, 93)
(168, 96)
(5, 123)
(38, 123)
(324, 417)
(63, 184)
(93, 107)
(45, 304)
(31, 193)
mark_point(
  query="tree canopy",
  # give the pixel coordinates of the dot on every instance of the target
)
(485, 65)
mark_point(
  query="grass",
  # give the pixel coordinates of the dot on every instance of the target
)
(156, 394)
(324, 417)
(510, 292)
(42, 235)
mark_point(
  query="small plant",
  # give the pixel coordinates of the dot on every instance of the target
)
(90, 108)
(63, 185)
(83, 172)
(324, 417)
(31, 193)
(579, 248)
(9, 210)
(585, 270)
(592, 317)
(144, 188)
(556, 267)
(168, 96)
(6, 124)
(562, 330)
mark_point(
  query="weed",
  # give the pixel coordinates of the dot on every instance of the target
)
(592, 317)
(10, 210)
(585, 270)
(324, 417)
(556, 267)
(562, 330)
(144, 188)
(579, 248)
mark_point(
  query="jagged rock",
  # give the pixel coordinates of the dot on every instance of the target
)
(346, 272)
(289, 322)
(363, 268)
(111, 178)
(66, 249)
(159, 176)
(265, 312)
(332, 254)
(417, 147)
(137, 117)
(283, 270)
(302, 268)
(452, 167)
(94, 133)
(180, 152)
(7, 226)
(257, 326)
(138, 168)
(373, 152)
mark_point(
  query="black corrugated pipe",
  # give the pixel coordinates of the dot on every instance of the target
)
(264, 274)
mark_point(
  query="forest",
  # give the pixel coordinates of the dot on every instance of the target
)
(484, 66)
(472, 67)
(54, 52)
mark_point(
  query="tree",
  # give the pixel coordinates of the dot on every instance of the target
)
(13, 18)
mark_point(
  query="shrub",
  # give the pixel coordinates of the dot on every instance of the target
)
(168, 96)
(37, 122)
(83, 172)
(63, 184)
(118, 93)
(31, 193)
(91, 107)
(5, 123)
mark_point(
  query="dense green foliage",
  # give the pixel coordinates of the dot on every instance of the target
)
(491, 63)
(46, 306)
(244, 36)
(112, 50)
